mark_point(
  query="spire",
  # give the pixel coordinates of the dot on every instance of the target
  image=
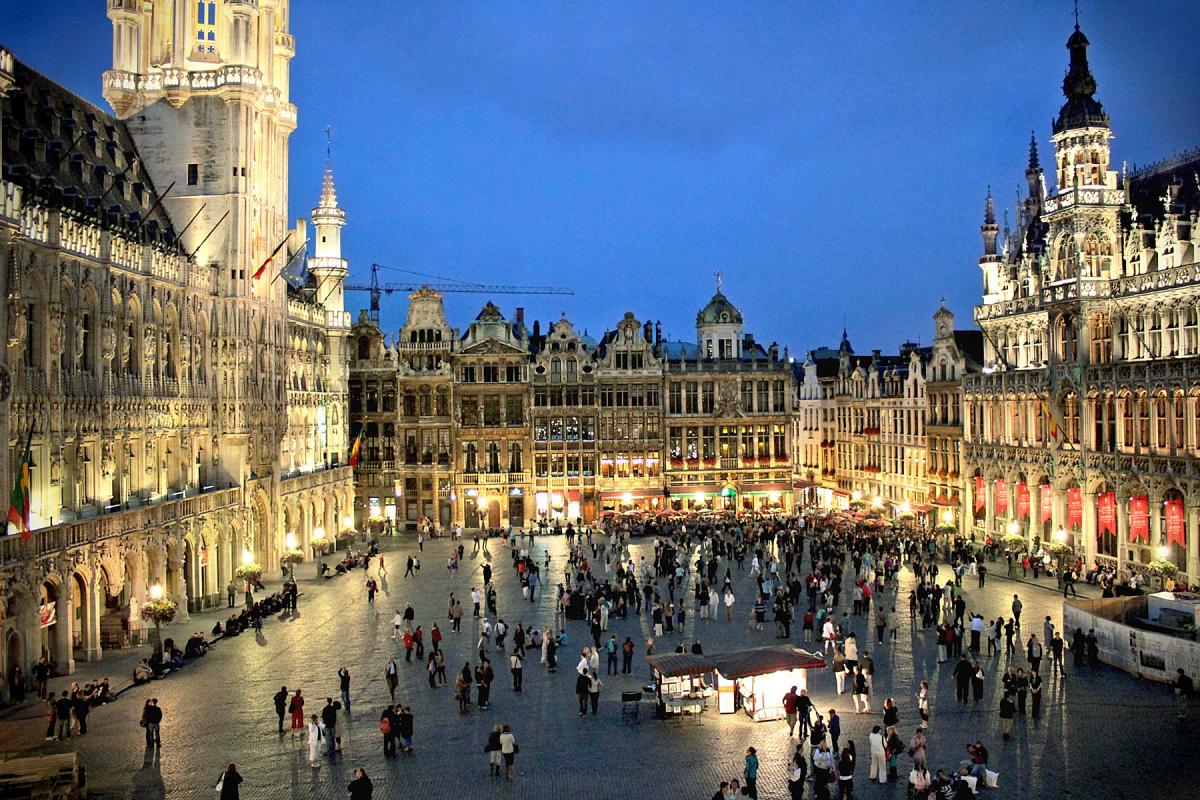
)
(845, 348)
(1034, 164)
(1081, 110)
(328, 193)
(989, 229)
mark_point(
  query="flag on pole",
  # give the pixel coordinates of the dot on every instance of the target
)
(355, 450)
(263, 267)
(18, 501)
(1051, 422)
(295, 271)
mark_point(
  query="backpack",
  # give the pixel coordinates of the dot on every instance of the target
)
(385, 726)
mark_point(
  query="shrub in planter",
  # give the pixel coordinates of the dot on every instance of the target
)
(160, 612)
(1058, 550)
(1161, 568)
(294, 556)
(1013, 540)
(249, 572)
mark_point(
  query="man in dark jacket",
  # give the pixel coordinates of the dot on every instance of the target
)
(329, 717)
(962, 679)
(281, 703)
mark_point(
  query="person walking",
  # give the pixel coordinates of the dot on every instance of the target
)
(508, 750)
(516, 663)
(231, 593)
(1017, 605)
(371, 588)
(404, 718)
(391, 677)
(962, 680)
(281, 704)
(750, 773)
(228, 785)
(627, 657)
(582, 685)
(594, 687)
(329, 722)
(344, 685)
(923, 701)
(1007, 712)
(1184, 687)
(387, 729)
(492, 750)
(360, 788)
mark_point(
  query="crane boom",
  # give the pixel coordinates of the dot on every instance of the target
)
(377, 289)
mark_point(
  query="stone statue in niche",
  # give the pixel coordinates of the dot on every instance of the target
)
(56, 333)
(108, 341)
(56, 468)
(107, 462)
(17, 322)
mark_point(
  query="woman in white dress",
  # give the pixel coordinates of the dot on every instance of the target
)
(546, 634)
(315, 734)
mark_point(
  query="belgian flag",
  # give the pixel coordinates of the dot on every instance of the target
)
(18, 501)
(355, 451)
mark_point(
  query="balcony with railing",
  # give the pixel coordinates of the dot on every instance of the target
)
(151, 518)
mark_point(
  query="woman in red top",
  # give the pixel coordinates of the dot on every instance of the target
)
(297, 709)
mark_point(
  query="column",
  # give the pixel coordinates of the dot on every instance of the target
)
(91, 621)
(1157, 534)
(1122, 528)
(1087, 544)
(1192, 516)
(989, 514)
(63, 638)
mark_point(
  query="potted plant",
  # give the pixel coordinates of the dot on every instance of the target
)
(1013, 541)
(249, 572)
(1162, 570)
(290, 559)
(160, 611)
(946, 530)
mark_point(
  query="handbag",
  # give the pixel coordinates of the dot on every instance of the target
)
(516, 748)
(221, 783)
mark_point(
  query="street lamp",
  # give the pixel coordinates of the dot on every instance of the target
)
(1013, 527)
(878, 501)
(856, 495)
(948, 517)
(1164, 552)
(247, 556)
(1060, 536)
(627, 498)
(156, 594)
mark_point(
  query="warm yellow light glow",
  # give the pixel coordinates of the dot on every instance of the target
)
(318, 533)
(1013, 527)
(878, 501)
(699, 497)
(627, 498)
(856, 495)
(1061, 535)
(247, 556)
(481, 503)
(290, 540)
(1164, 551)
(774, 496)
(156, 592)
(947, 516)
(905, 507)
(348, 521)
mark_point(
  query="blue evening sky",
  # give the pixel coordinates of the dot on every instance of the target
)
(830, 159)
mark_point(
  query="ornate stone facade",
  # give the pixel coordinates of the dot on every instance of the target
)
(1085, 424)
(183, 415)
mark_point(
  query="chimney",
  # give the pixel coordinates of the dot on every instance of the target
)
(658, 333)
(647, 331)
(521, 315)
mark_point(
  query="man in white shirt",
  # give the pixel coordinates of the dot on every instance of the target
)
(829, 634)
(582, 666)
(475, 598)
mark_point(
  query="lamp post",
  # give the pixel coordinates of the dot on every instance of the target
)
(156, 594)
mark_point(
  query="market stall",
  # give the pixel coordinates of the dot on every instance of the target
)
(756, 680)
(681, 683)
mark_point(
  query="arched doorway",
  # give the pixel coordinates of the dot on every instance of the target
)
(14, 657)
(48, 625)
(82, 646)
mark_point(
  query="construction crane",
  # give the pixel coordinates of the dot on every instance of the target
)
(377, 289)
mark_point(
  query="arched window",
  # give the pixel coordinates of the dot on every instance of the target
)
(493, 457)
(555, 368)
(514, 457)
(364, 348)
(1068, 258)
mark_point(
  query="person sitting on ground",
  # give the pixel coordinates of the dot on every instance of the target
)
(142, 673)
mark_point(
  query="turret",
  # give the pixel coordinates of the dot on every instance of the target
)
(1082, 129)
(327, 264)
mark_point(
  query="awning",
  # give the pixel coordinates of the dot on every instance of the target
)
(804, 484)
(920, 509)
(764, 660)
(841, 492)
(674, 665)
(767, 486)
(636, 494)
(573, 495)
(941, 501)
(707, 488)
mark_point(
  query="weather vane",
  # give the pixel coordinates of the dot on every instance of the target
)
(328, 144)
(720, 279)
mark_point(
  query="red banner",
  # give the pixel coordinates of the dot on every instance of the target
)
(1139, 519)
(1175, 527)
(1046, 502)
(980, 496)
(1075, 507)
(1001, 496)
(1106, 512)
(1022, 500)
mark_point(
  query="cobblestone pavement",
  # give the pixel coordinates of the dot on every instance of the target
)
(1103, 734)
